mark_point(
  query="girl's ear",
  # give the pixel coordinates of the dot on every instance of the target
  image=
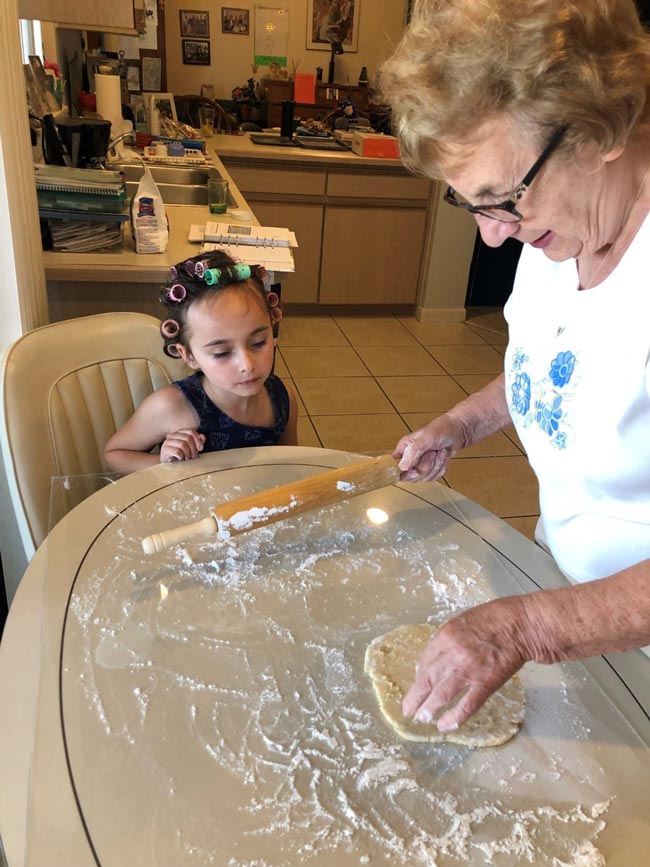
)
(187, 356)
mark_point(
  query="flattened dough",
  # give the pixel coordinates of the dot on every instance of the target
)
(391, 661)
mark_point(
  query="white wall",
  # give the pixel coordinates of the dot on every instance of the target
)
(23, 297)
(380, 25)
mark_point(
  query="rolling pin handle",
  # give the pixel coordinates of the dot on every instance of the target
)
(159, 541)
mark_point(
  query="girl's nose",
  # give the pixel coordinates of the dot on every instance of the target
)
(245, 362)
(495, 232)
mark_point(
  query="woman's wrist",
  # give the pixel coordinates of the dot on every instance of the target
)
(483, 413)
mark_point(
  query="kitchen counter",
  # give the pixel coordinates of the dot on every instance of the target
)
(383, 217)
(125, 265)
(236, 146)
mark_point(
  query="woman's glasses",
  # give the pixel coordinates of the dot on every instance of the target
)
(506, 212)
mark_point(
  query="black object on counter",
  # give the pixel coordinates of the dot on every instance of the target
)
(286, 118)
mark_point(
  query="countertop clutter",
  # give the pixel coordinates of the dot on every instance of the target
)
(124, 264)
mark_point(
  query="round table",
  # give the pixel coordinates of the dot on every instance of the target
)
(208, 704)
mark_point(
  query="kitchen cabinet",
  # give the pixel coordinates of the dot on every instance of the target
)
(277, 91)
(371, 255)
(307, 221)
(361, 226)
(106, 15)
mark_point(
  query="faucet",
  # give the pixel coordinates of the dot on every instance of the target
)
(111, 153)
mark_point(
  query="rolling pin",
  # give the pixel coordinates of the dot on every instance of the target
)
(285, 501)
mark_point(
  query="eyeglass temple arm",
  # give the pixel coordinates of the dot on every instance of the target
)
(554, 141)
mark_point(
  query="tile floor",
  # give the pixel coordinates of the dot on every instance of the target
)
(363, 382)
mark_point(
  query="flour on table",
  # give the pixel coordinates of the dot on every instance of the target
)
(247, 678)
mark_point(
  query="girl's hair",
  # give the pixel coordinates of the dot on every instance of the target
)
(583, 64)
(203, 276)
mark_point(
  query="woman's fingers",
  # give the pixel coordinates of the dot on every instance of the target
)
(468, 659)
(466, 707)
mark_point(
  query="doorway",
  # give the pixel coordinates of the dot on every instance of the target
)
(492, 273)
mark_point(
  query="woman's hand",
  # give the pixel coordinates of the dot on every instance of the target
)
(470, 657)
(181, 445)
(425, 453)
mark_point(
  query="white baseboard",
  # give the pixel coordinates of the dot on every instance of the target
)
(440, 314)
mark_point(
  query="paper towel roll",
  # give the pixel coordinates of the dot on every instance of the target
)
(109, 103)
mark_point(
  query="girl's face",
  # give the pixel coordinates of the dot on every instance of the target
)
(230, 341)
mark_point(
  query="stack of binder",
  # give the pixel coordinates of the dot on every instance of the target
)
(269, 246)
(81, 210)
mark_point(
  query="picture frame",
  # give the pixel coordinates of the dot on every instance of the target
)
(235, 22)
(196, 52)
(194, 23)
(331, 21)
(133, 82)
(139, 108)
(165, 104)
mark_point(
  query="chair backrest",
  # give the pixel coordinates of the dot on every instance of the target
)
(64, 390)
(187, 111)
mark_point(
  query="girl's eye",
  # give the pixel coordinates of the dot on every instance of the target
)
(260, 343)
(222, 354)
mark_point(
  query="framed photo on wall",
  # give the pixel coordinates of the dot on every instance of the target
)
(236, 21)
(195, 22)
(333, 21)
(196, 52)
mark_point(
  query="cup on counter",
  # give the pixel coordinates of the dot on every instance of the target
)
(157, 149)
(217, 195)
(206, 119)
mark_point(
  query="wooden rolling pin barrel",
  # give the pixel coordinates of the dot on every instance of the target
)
(285, 501)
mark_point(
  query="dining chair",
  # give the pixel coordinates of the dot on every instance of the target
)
(65, 389)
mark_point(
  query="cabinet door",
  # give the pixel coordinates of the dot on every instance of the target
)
(371, 255)
(307, 222)
(108, 15)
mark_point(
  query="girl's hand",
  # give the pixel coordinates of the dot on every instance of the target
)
(181, 445)
(466, 661)
(425, 453)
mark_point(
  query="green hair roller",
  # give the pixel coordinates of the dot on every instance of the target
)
(239, 271)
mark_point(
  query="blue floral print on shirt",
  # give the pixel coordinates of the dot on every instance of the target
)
(562, 368)
(548, 414)
(521, 393)
(540, 403)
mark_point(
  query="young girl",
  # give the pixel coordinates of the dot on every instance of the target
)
(220, 322)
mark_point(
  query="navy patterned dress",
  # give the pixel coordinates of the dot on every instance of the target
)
(221, 431)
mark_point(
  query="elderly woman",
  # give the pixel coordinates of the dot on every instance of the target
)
(536, 114)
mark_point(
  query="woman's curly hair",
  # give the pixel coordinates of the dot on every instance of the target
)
(583, 64)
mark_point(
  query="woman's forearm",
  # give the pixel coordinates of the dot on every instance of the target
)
(483, 413)
(610, 615)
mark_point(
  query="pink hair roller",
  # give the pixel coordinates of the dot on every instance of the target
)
(170, 328)
(177, 293)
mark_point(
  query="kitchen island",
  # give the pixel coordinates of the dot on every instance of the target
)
(362, 223)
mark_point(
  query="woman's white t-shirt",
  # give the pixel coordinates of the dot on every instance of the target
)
(578, 388)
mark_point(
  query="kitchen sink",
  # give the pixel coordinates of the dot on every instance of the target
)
(178, 185)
